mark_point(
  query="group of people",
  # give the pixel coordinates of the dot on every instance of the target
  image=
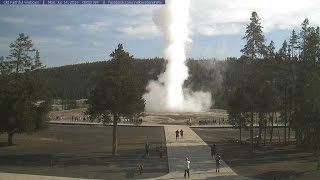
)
(208, 122)
(179, 132)
(214, 154)
(189, 122)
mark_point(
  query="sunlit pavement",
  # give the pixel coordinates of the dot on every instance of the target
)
(202, 165)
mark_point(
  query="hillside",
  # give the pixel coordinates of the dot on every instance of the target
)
(75, 81)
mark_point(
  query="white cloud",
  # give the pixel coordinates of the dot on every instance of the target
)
(215, 17)
(140, 30)
(97, 44)
(95, 27)
(220, 29)
(62, 28)
(50, 44)
(4, 45)
(139, 23)
(225, 17)
(12, 20)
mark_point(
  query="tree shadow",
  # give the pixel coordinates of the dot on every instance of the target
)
(275, 175)
(4, 144)
(98, 165)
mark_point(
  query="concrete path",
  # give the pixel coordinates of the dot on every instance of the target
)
(202, 165)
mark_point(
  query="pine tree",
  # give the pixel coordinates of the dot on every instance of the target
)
(293, 45)
(270, 51)
(254, 37)
(283, 51)
(19, 60)
(19, 89)
(303, 39)
(117, 94)
(37, 62)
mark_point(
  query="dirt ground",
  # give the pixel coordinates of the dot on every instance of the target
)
(85, 152)
(274, 161)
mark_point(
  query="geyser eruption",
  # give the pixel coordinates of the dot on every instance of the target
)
(168, 94)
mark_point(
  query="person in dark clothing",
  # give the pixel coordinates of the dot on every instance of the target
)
(218, 159)
(140, 169)
(177, 134)
(213, 150)
(147, 150)
(181, 133)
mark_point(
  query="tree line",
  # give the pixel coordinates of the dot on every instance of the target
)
(75, 81)
(265, 84)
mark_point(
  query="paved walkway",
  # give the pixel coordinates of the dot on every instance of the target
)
(202, 165)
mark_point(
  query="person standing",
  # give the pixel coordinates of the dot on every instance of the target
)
(213, 150)
(140, 169)
(147, 150)
(177, 134)
(218, 159)
(181, 133)
(189, 122)
(187, 168)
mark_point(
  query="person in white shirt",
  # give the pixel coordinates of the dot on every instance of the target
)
(187, 167)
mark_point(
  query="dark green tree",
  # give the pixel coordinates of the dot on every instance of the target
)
(293, 45)
(308, 112)
(37, 61)
(254, 48)
(19, 83)
(19, 59)
(237, 112)
(270, 51)
(2, 65)
(303, 36)
(283, 51)
(117, 93)
(255, 41)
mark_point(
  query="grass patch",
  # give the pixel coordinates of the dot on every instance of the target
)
(274, 161)
(85, 152)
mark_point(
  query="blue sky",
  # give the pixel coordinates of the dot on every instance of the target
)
(74, 34)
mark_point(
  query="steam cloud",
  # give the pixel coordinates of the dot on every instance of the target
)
(167, 94)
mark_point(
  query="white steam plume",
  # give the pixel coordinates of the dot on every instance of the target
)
(168, 94)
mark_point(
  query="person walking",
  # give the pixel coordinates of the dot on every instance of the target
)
(147, 150)
(181, 133)
(177, 134)
(187, 168)
(213, 150)
(218, 159)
